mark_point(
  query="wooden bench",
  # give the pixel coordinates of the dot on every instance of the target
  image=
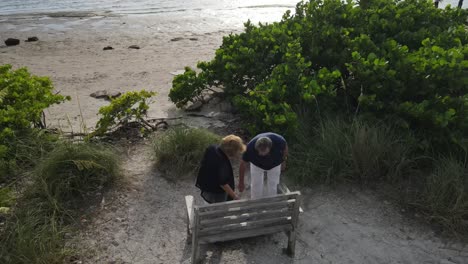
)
(243, 218)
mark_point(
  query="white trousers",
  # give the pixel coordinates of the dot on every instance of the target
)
(257, 183)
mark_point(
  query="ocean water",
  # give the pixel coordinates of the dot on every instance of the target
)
(162, 15)
(9, 7)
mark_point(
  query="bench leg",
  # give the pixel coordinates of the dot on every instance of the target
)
(291, 243)
(195, 249)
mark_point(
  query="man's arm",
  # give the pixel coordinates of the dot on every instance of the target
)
(229, 191)
(242, 167)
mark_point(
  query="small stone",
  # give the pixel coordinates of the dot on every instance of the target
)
(99, 94)
(108, 48)
(115, 243)
(177, 39)
(134, 47)
(193, 39)
(194, 107)
(12, 42)
(32, 39)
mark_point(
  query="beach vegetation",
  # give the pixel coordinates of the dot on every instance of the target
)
(179, 150)
(368, 92)
(129, 107)
(70, 174)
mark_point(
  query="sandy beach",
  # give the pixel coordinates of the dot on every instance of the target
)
(70, 51)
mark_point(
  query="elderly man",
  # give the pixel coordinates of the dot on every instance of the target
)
(266, 153)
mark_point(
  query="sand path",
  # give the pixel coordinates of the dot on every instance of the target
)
(146, 224)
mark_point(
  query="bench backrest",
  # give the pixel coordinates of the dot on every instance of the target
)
(246, 218)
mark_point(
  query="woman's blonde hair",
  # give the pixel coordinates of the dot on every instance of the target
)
(232, 145)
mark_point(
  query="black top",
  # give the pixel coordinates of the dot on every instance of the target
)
(215, 171)
(273, 159)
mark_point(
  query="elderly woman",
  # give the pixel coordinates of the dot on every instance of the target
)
(215, 177)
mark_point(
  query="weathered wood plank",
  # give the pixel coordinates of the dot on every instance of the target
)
(245, 217)
(195, 236)
(244, 226)
(293, 232)
(238, 203)
(243, 234)
(246, 209)
(189, 207)
(283, 189)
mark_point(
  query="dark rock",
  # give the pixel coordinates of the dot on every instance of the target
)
(108, 48)
(103, 94)
(193, 39)
(177, 39)
(32, 39)
(134, 47)
(12, 42)
(194, 107)
(99, 94)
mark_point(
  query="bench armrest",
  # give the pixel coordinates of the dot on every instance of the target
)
(283, 189)
(189, 205)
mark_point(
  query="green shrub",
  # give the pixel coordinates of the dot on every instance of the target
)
(23, 98)
(180, 150)
(381, 60)
(445, 195)
(131, 106)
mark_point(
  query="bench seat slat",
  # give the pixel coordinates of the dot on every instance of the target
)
(245, 217)
(243, 234)
(242, 208)
(245, 226)
(236, 203)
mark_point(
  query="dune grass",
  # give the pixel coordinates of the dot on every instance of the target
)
(59, 184)
(445, 195)
(336, 151)
(179, 150)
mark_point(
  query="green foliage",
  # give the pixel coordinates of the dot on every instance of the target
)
(445, 196)
(404, 61)
(71, 171)
(25, 152)
(180, 150)
(6, 197)
(23, 98)
(34, 233)
(131, 106)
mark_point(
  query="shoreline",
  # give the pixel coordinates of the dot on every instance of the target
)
(70, 52)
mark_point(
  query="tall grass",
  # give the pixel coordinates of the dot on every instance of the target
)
(25, 151)
(445, 195)
(59, 184)
(336, 151)
(179, 150)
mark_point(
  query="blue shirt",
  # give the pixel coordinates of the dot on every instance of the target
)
(273, 159)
